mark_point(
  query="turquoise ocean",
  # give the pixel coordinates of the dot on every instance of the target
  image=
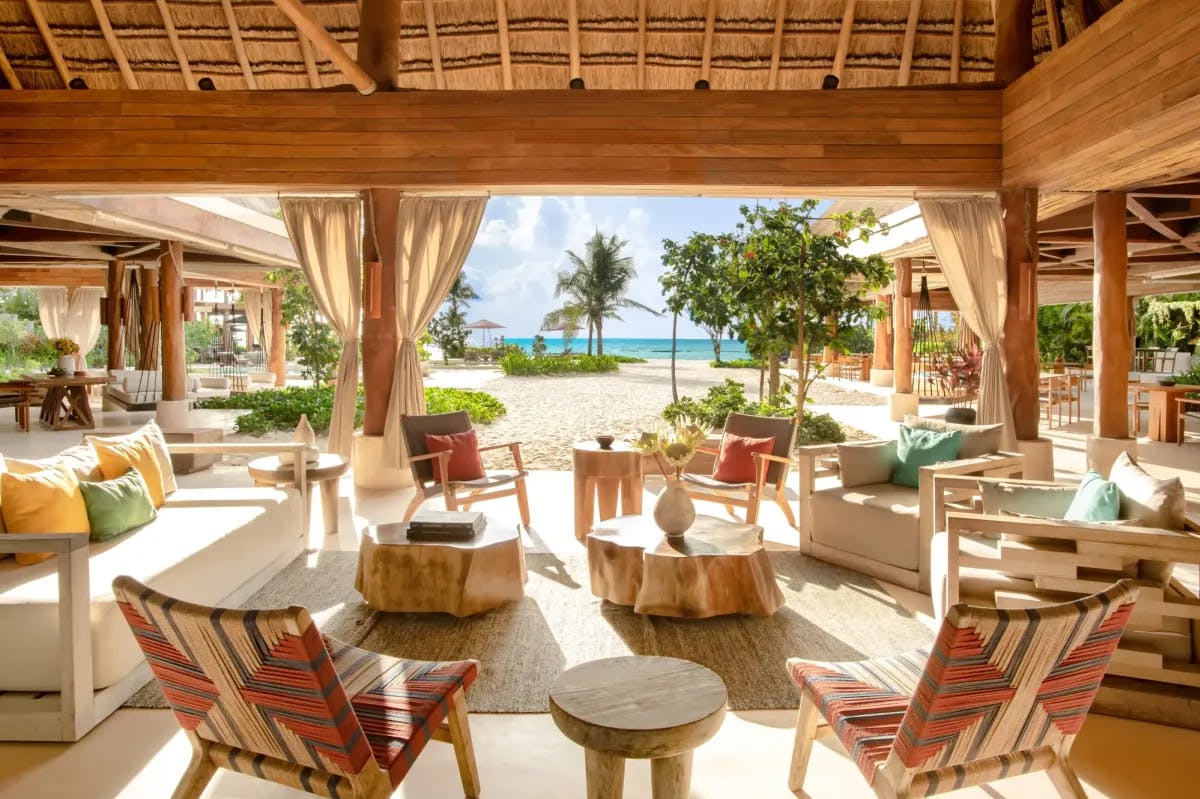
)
(687, 349)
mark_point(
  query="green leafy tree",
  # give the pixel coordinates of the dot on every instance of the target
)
(317, 346)
(596, 287)
(538, 348)
(695, 284)
(11, 333)
(1065, 331)
(461, 294)
(449, 332)
(1169, 321)
(22, 303)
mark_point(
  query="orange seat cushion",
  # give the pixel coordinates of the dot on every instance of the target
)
(465, 463)
(736, 462)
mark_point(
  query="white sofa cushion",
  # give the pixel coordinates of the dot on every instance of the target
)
(142, 382)
(205, 544)
(879, 521)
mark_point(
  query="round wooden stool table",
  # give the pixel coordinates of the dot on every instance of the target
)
(599, 475)
(325, 472)
(638, 707)
(461, 578)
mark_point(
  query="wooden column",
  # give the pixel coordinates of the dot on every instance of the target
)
(902, 316)
(1014, 39)
(1022, 363)
(884, 346)
(277, 357)
(148, 312)
(115, 289)
(830, 355)
(1112, 347)
(170, 292)
(189, 304)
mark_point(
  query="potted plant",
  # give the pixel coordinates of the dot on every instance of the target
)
(674, 511)
(959, 374)
(67, 350)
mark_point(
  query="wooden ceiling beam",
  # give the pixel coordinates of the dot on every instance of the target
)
(310, 61)
(777, 44)
(1143, 212)
(706, 48)
(114, 44)
(308, 25)
(843, 43)
(573, 38)
(641, 45)
(39, 19)
(16, 234)
(10, 76)
(956, 43)
(1189, 189)
(239, 47)
(910, 40)
(1054, 21)
(435, 49)
(506, 76)
(69, 277)
(185, 68)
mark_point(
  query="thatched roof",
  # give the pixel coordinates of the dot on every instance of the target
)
(469, 49)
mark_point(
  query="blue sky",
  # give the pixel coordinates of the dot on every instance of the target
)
(521, 244)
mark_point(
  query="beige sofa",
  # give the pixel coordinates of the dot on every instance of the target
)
(76, 661)
(852, 515)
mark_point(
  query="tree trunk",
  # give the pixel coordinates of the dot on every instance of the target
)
(674, 334)
(762, 371)
(716, 345)
(599, 337)
(801, 362)
(591, 327)
(773, 379)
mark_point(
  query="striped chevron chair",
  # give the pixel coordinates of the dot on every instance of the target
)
(1004, 692)
(263, 693)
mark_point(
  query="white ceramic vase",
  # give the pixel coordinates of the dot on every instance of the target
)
(674, 511)
(304, 434)
(67, 363)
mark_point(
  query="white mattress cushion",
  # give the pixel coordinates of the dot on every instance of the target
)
(205, 544)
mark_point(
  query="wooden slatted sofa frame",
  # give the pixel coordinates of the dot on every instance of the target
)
(69, 715)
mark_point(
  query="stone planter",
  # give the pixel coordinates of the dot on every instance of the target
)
(960, 415)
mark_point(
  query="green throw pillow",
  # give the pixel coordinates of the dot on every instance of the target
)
(117, 506)
(919, 448)
(1097, 500)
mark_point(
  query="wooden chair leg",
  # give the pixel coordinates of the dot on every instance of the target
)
(199, 773)
(806, 733)
(782, 502)
(1065, 782)
(460, 737)
(451, 500)
(523, 502)
(417, 499)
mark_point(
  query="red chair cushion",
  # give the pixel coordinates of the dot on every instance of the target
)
(735, 462)
(465, 463)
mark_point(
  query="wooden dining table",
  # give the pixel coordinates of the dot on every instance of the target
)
(66, 405)
(1164, 420)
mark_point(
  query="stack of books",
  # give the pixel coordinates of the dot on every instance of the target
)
(444, 525)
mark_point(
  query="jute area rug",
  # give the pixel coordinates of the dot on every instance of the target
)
(831, 614)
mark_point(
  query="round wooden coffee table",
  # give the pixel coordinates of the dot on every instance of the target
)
(325, 472)
(599, 475)
(718, 567)
(461, 578)
(638, 707)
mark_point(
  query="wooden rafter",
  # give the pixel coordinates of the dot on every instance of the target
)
(573, 36)
(435, 49)
(910, 40)
(7, 71)
(505, 54)
(185, 68)
(710, 23)
(310, 61)
(239, 46)
(843, 44)
(39, 19)
(308, 26)
(1142, 212)
(777, 45)
(114, 45)
(1054, 21)
(641, 51)
(956, 42)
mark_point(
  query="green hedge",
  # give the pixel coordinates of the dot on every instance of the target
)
(626, 359)
(730, 397)
(521, 363)
(279, 409)
(737, 363)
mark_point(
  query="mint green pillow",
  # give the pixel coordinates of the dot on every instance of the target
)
(918, 448)
(117, 506)
(1097, 500)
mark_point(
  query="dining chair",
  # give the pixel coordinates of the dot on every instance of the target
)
(1000, 693)
(1188, 408)
(263, 693)
(16, 394)
(1139, 400)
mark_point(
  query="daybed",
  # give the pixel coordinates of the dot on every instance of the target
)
(140, 390)
(852, 515)
(66, 665)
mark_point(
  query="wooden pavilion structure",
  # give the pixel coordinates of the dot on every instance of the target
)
(1056, 105)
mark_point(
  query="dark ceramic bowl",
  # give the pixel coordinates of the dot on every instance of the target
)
(605, 440)
(1166, 381)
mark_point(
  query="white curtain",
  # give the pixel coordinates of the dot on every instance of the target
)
(75, 316)
(327, 235)
(433, 237)
(258, 316)
(968, 238)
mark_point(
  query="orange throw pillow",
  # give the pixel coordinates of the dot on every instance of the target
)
(735, 462)
(465, 463)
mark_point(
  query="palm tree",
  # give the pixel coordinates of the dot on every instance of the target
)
(460, 294)
(596, 287)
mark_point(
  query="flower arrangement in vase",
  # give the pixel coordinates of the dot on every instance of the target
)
(67, 349)
(674, 511)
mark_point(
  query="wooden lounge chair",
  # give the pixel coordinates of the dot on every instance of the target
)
(771, 470)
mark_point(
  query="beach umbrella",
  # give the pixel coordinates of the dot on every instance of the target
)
(485, 325)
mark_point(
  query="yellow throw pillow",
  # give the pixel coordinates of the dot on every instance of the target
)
(151, 432)
(116, 458)
(48, 501)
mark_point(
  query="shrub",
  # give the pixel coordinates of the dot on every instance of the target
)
(737, 363)
(819, 428)
(730, 397)
(483, 407)
(626, 359)
(518, 362)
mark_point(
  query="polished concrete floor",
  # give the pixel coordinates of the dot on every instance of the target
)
(140, 754)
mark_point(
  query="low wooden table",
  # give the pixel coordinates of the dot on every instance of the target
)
(599, 475)
(640, 707)
(461, 578)
(67, 404)
(325, 472)
(718, 567)
(1164, 418)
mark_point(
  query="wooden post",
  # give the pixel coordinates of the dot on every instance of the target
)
(1014, 39)
(170, 290)
(148, 311)
(189, 304)
(882, 357)
(1111, 344)
(277, 358)
(1022, 364)
(116, 292)
(830, 355)
(902, 316)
